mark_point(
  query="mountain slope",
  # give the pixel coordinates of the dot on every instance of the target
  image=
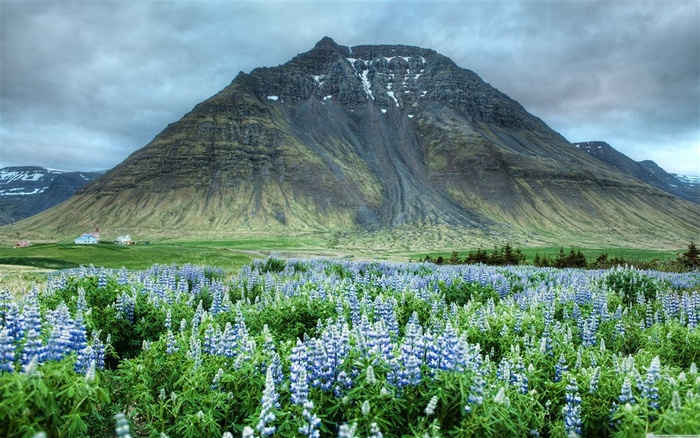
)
(369, 139)
(28, 190)
(646, 171)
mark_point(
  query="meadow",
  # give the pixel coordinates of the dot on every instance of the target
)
(328, 347)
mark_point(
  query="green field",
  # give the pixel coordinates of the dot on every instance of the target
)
(62, 255)
(232, 254)
(631, 254)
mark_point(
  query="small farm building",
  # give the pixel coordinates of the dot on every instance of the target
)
(86, 239)
(124, 240)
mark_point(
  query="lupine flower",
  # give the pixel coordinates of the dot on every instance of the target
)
(374, 431)
(33, 347)
(171, 343)
(7, 351)
(572, 410)
(430, 409)
(676, 401)
(298, 376)
(216, 379)
(346, 431)
(626, 392)
(311, 421)
(269, 402)
(370, 378)
(593, 385)
(365, 408)
(560, 368)
(122, 427)
(650, 391)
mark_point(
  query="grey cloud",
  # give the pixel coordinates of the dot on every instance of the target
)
(85, 84)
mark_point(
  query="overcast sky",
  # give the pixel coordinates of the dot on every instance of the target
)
(84, 84)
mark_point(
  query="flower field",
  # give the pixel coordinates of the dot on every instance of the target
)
(322, 347)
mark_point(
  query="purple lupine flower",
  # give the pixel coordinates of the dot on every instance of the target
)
(572, 410)
(269, 403)
(7, 351)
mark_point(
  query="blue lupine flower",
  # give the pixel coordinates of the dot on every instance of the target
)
(269, 403)
(650, 390)
(626, 393)
(33, 347)
(299, 381)
(171, 343)
(311, 421)
(374, 431)
(593, 385)
(572, 410)
(215, 381)
(346, 431)
(58, 345)
(7, 351)
(560, 368)
(122, 426)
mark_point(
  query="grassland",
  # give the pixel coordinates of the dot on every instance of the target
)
(231, 254)
(631, 254)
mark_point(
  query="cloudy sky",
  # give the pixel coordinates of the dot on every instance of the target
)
(84, 84)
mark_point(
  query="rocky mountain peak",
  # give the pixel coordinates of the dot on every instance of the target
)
(360, 139)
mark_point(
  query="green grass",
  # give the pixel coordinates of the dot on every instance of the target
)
(234, 253)
(631, 254)
(61, 255)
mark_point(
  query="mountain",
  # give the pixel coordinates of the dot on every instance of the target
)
(26, 191)
(646, 171)
(374, 145)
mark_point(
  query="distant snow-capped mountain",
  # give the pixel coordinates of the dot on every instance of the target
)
(688, 179)
(647, 171)
(28, 190)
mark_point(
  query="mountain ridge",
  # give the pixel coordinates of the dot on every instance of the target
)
(368, 139)
(29, 190)
(646, 170)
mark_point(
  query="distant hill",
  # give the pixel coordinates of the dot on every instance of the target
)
(26, 191)
(383, 144)
(646, 171)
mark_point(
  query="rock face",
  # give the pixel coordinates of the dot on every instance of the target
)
(364, 139)
(646, 171)
(28, 190)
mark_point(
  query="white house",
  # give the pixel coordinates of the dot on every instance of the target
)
(86, 239)
(124, 240)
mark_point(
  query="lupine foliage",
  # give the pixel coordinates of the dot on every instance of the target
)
(338, 348)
